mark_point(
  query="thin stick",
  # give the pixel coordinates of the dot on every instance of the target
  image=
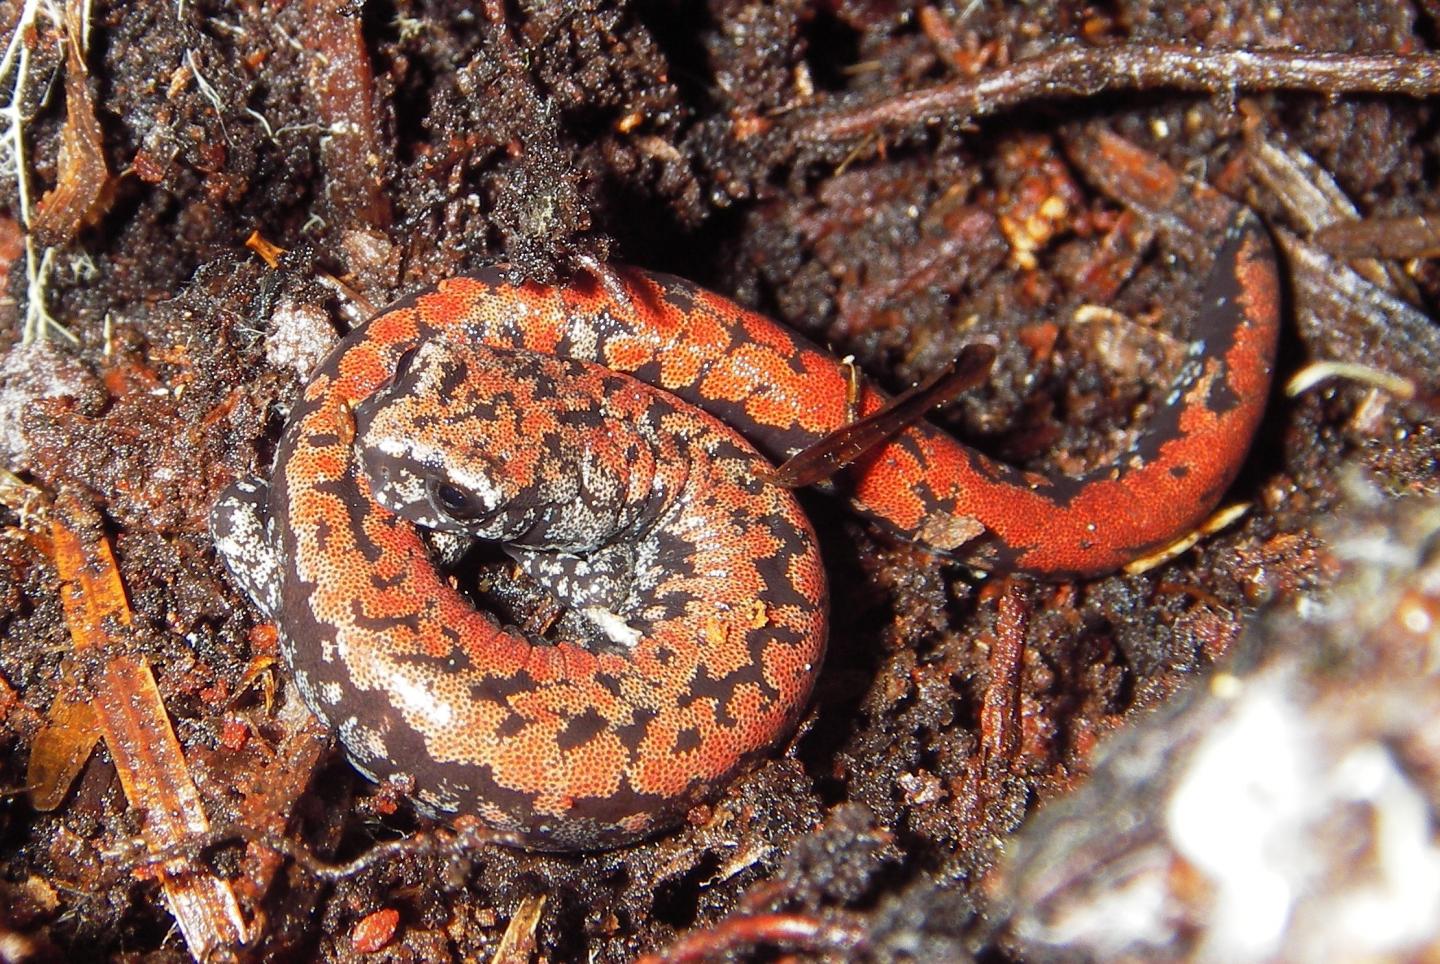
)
(1070, 70)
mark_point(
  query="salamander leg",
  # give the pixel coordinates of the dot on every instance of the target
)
(240, 525)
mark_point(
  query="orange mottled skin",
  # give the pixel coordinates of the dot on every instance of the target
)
(702, 579)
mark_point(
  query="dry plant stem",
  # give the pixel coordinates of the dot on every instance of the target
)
(1341, 316)
(464, 836)
(517, 946)
(83, 191)
(15, 73)
(845, 445)
(137, 730)
(1312, 198)
(1404, 236)
(798, 931)
(1074, 71)
(342, 89)
(1000, 723)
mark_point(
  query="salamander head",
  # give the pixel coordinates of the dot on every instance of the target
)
(436, 459)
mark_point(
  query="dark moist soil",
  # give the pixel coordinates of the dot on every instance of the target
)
(396, 143)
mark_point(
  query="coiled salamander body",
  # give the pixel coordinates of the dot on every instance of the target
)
(618, 443)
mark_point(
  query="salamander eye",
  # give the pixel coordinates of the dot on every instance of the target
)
(455, 501)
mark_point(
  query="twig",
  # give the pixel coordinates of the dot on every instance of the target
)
(137, 730)
(342, 95)
(800, 931)
(1070, 70)
(464, 836)
(1000, 723)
